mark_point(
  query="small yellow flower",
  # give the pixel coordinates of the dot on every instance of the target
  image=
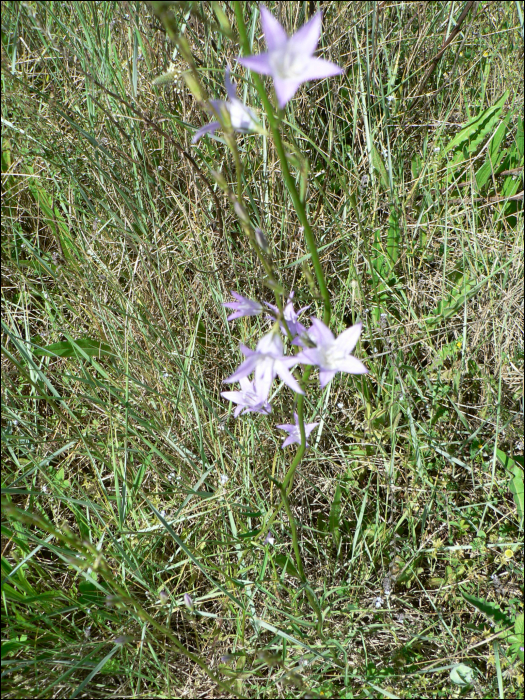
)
(509, 553)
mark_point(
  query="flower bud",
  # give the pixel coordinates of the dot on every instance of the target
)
(262, 241)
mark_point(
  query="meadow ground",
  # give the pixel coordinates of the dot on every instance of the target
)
(127, 482)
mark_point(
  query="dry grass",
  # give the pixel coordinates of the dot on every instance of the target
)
(110, 233)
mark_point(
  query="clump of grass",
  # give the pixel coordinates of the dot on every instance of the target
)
(118, 250)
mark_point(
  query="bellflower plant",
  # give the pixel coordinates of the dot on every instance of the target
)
(290, 60)
(248, 399)
(267, 361)
(240, 117)
(294, 431)
(332, 354)
(242, 307)
(291, 317)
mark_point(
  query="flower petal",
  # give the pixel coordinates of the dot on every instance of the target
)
(320, 333)
(288, 441)
(287, 377)
(272, 307)
(271, 343)
(326, 375)
(231, 87)
(258, 64)
(317, 68)
(285, 89)
(274, 32)
(309, 427)
(247, 352)
(351, 365)
(286, 426)
(236, 314)
(207, 129)
(246, 384)
(346, 342)
(264, 375)
(235, 396)
(309, 356)
(243, 370)
(306, 38)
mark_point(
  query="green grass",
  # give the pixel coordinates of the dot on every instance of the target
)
(117, 251)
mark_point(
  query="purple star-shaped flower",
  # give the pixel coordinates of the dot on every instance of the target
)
(291, 317)
(240, 117)
(294, 433)
(267, 361)
(248, 399)
(290, 60)
(242, 307)
(332, 354)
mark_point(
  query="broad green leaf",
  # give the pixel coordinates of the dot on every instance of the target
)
(379, 166)
(93, 348)
(519, 137)
(335, 516)
(516, 481)
(394, 237)
(10, 646)
(222, 19)
(462, 675)
(285, 563)
(494, 155)
(474, 132)
(516, 488)
(519, 624)
(488, 609)
(53, 217)
(449, 306)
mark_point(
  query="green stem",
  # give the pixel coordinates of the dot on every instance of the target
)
(287, 484)
(295, 541)
(238, 166)
(290, 184)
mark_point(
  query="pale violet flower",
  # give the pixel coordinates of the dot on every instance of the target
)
(242, 307)
(249, 400)
(294, 433)
(188, 601)
(230, 113)
(290, 60)
(332, 354)
(269, 539)
(267, 361)
(223, 479)
(378, 602)
(291, 317)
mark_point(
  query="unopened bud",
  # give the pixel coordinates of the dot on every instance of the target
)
(219, 179)
(241, 212)
(262, 241)
(193, 85)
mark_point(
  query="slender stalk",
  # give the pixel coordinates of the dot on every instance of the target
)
(295, 541)
(299, 207)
